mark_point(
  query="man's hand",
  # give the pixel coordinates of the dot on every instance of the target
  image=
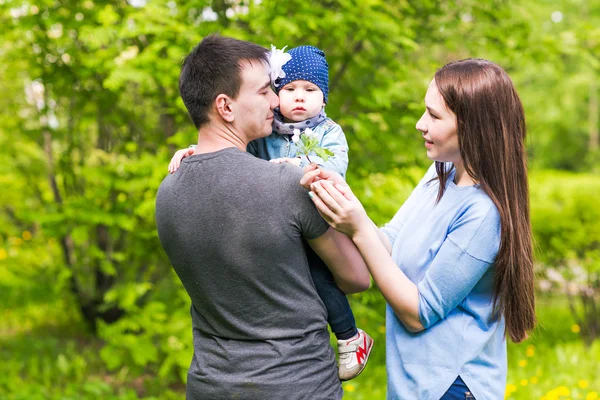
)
(177, 157)
(314, 173)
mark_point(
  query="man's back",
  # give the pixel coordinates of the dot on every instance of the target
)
(232, 226)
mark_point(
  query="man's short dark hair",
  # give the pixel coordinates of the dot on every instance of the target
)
(212, 68)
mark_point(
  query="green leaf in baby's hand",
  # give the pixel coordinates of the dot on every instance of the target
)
(308, 143)
(323, 153)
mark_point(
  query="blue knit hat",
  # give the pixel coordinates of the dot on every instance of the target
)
(309, 64)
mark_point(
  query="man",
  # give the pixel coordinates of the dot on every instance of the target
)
(233, 228)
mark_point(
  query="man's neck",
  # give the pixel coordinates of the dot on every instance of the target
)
(213, 137)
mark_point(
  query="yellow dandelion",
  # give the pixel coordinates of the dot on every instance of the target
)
(575, 328)
(349, 387)
(3, 254)
(16, 241)
(533, 380)
(530, 352)
(522, 363)
(510, 389)
(591, 396)
(563, 391)
(381, 328)
(26, 235)
(524, 382)
(582, 383)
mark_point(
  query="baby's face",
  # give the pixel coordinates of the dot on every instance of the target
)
(300, 100)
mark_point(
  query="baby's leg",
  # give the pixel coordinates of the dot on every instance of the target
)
(354, 345)
(339, 314)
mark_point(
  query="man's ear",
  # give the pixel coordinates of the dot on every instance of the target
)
(224, 107)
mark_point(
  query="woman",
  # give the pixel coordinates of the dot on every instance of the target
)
(455, 263)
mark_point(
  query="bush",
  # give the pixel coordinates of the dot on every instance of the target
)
(566, 227)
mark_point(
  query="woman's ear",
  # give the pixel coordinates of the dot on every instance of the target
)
(224, 107)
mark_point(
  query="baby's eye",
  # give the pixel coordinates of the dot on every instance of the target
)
(289, 89)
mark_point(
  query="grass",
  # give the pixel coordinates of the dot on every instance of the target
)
(47, 353)
(552, 364)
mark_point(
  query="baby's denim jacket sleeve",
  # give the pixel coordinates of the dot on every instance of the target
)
(252, 148)
(333, 139)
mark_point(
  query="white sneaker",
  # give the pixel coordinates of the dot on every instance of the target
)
(354, 354)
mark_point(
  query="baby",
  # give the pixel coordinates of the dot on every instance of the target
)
(301, 79)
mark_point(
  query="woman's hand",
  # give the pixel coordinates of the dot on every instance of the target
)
(340, 207)
(177, 157)
(314, 173)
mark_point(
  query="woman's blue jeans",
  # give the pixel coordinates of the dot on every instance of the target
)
(458, 391)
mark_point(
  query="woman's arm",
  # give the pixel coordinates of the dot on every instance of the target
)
(313, 173)
(344, 212)
(465, 256)
(382, 237)
(399, 291)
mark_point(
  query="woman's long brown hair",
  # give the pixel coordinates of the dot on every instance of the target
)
(491, 135)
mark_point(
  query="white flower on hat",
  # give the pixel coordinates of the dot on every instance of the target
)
(277, 59)
(296, 137)
(310, 133)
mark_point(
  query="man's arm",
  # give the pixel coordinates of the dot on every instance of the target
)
(343, 259)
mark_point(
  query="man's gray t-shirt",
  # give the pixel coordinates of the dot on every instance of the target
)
(232, 226)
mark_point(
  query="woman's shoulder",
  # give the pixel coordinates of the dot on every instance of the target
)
(476, 226)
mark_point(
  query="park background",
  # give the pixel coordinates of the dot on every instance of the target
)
(90, 116)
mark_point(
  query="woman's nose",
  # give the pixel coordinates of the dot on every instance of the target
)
(421, 126)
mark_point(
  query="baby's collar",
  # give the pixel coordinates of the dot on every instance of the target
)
(287, 128)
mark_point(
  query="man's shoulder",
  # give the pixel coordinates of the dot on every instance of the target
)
(290, 173)
(166, 185)
(270, 174)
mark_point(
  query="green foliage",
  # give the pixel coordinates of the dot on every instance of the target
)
(91, 115)
(566, 227)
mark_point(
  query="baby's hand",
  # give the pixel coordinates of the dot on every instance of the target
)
(294, 161)
(177, 157)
